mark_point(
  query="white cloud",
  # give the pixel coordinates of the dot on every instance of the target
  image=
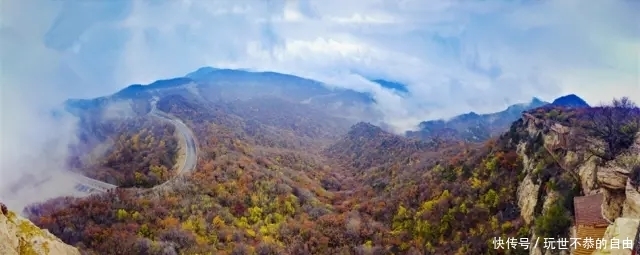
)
(503, 52)
(455, 56)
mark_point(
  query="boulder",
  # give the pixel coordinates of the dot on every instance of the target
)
(612, 177)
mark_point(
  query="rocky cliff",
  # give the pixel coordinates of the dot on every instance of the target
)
(622, 229)
(20, 236)
(558, 168)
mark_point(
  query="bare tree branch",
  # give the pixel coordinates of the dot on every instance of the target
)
(615, 126)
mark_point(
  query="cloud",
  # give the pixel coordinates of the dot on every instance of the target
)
(454, 56)
(504, 52)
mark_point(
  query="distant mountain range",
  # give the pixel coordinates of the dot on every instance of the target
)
(210, 85)
(474, 127)
(238, 84)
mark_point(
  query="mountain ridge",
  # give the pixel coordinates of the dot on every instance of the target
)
(277, 176)
(474, 127)
(245, 80)
(235, 83)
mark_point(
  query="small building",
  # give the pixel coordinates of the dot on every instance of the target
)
(589, 221)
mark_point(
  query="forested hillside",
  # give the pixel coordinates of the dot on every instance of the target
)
(127, 152)
(272, 178)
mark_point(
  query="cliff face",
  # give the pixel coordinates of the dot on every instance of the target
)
(20, 236)
(621, 229)
(555, 171)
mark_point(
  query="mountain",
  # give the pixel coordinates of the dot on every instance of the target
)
(294, 112)
(366, 135)
(475, 127)
(570, 101)
(395, 86)
(213, 85)
(275, 174)
(472, 126)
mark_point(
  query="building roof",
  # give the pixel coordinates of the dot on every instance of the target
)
(592, 232)
(588, 210)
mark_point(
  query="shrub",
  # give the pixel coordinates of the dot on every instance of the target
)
(616, 125)
(555, 222)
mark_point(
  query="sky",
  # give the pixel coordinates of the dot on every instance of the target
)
(453, 56)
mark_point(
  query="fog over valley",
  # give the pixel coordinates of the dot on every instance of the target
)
(317, 127)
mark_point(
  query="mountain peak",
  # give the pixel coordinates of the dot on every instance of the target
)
(399, 87)
(201, 72)
(537, 101)
(364, 127)
(570, 100)
(466, 116)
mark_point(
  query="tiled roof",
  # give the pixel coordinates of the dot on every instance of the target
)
(588, 210)
(591, 232)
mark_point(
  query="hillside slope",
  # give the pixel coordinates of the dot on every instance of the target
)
(280, 176)
(18, 236)
(261, 187)
(260, 190)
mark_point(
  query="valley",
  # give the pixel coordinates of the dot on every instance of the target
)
(296, 127)
(204, 169)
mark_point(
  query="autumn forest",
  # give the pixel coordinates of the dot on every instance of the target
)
(277, 177)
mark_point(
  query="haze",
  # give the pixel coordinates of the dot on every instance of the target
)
(453, 56)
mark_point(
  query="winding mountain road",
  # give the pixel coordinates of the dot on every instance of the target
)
(190, 159)
(35, 188)
(89, 186)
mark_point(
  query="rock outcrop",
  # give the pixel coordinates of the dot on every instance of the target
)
(631, 208)
(613, 203)
(623, 229)
(614, 178)
(534, 196)
(528, 199)
(621, 200)
(18, 236)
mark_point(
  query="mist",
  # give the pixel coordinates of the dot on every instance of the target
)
(454, 57)
(35, 80)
